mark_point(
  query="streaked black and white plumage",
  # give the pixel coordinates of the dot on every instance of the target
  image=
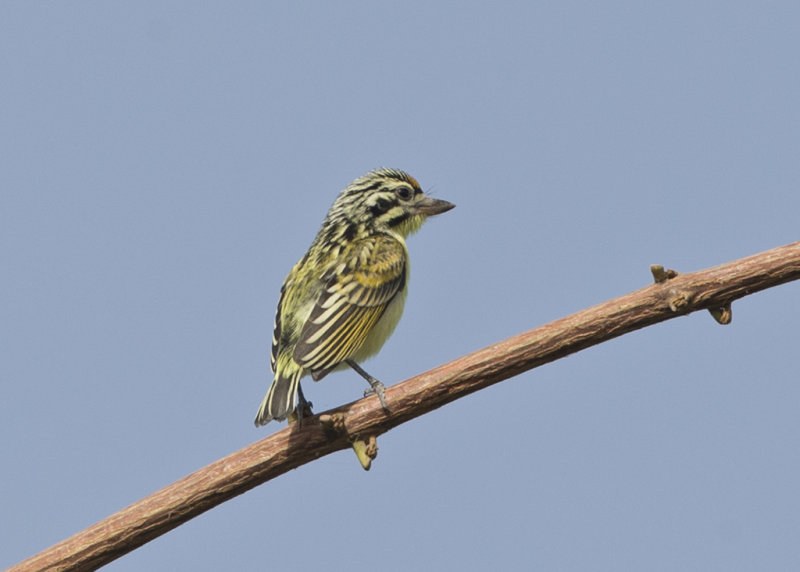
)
(342, 301)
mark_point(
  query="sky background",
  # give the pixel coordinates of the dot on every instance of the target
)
(164, 164)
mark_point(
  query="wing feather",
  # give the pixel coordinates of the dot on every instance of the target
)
(276, 332)
(356, 293)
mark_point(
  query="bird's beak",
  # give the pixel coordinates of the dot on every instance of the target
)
(429, 206)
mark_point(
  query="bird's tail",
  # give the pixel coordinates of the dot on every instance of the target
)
(280, 399)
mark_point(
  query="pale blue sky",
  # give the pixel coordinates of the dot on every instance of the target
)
(165, 163)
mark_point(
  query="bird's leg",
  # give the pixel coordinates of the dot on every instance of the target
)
(376, 386)
(303, 406)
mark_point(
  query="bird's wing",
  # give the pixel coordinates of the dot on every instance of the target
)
(371, 272)
(276, 331)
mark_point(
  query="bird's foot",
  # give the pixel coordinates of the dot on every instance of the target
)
(303, 408)
(378, 389)
(375, 386)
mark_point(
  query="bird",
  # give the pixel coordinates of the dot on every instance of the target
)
(343, 299)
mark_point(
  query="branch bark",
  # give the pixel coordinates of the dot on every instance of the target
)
(357, 424)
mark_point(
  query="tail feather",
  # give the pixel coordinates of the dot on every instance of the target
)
(281, 397)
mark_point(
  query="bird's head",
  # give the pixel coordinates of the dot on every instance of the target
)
(388, 200)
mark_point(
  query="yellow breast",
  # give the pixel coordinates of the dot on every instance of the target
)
(385, 326)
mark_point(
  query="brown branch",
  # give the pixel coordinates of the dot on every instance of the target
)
(360, 422)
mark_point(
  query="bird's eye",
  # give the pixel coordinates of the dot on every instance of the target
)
(404, 193)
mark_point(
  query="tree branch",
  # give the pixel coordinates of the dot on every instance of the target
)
(357, 424)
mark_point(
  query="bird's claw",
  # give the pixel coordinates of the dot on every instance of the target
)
(303, 408)
(377, 388)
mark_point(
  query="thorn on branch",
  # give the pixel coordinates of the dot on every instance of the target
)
(722, 315)
(679, 299)
(366, 451)
(660, 275)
